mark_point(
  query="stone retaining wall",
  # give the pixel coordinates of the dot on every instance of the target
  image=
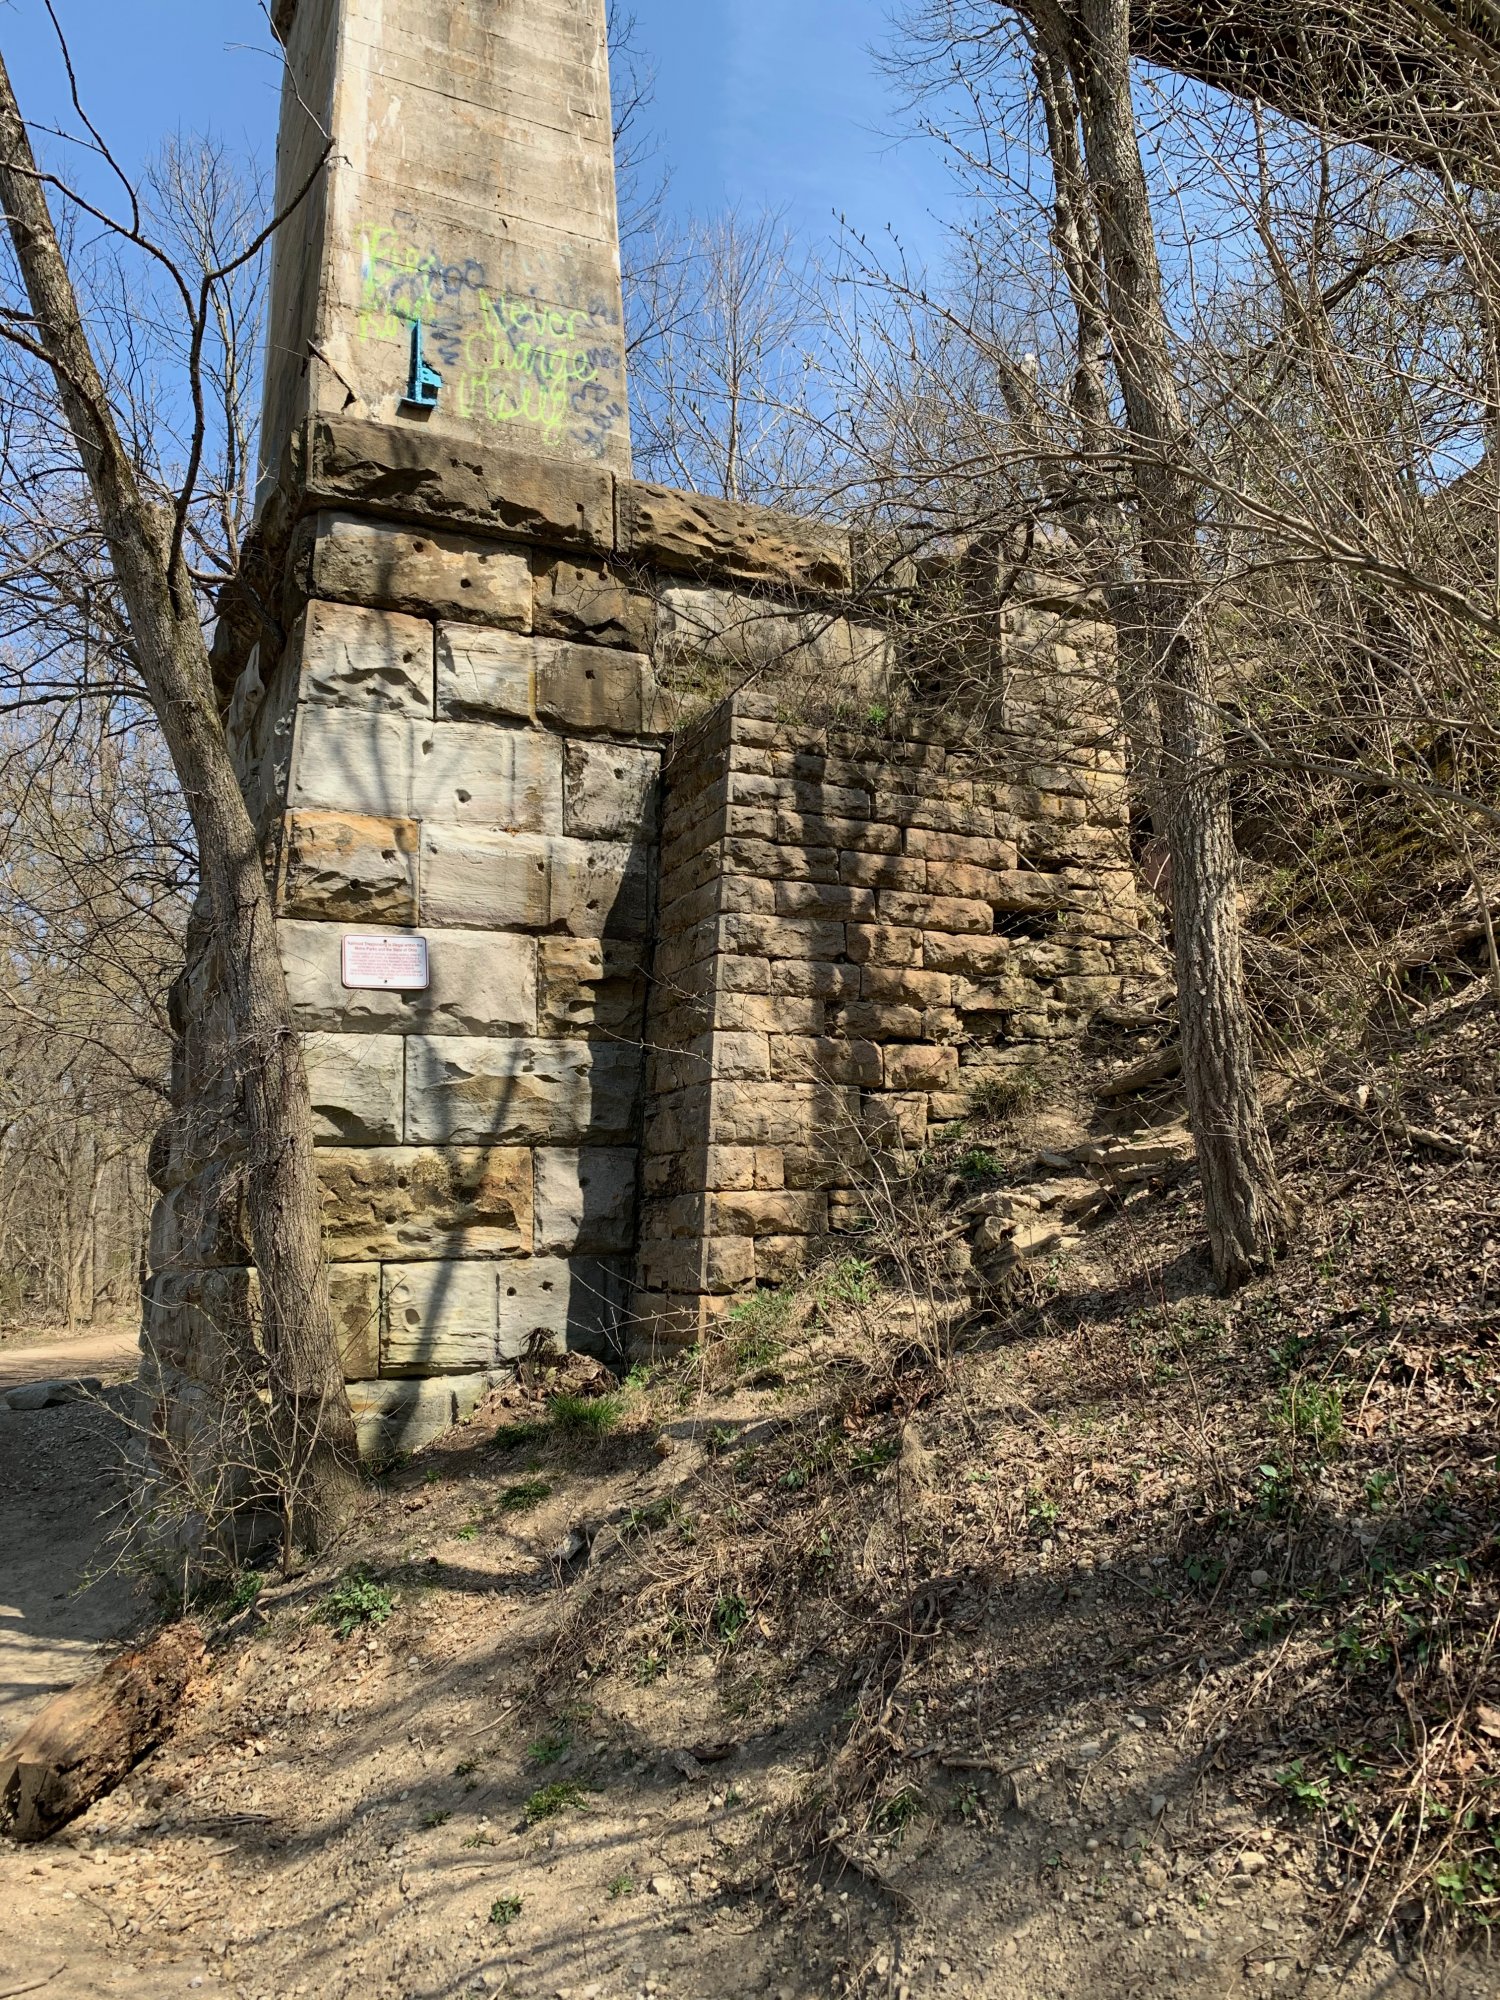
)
(858, 932)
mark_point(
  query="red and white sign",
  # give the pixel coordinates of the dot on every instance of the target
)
(386, 964)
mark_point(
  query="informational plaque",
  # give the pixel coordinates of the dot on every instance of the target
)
(386, 964)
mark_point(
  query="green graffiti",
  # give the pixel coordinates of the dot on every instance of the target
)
(507, 358)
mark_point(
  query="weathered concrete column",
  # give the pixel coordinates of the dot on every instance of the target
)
(465, 223)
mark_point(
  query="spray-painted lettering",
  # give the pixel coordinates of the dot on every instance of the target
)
(507, 357)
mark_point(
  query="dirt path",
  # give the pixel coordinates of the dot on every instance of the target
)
(59, 1488)
(110, 1352)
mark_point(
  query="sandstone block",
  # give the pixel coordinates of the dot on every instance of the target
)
(682, 1264)
(357, 1086)
(953, 914)
(739, 975)
(354, 761)
(816, 829)
(352, 657)
(905, 986)
(769, 862)
(484, 775)
(737, 1056)
(482, 983)
(403, 1416)
(486, 879)
(917, 1068)
(484, 675)
(600, 888)
(897, 1120)
(550, 1303)
(883, 871)
(769, 1013)
(361, 561)
(877, 1021)
(796, 1114)
(665, 1322)
(884, 944)
(769, 1214)
(742, 1167)
(781, 1260)
(986, 852)
(354, 1294)
(750, 788)
(594, 687)
(974, 957)
(689, 532)
(782, 937)
(439, 1319)
(585, 1199)
(939, 815)
(356, 463)
(946, 1107)
(404, 1204)
(610, 792)
(825, 899)
(467, 1091)
(586, 601)
(825, 1059)
(820, 979)
(346, 865)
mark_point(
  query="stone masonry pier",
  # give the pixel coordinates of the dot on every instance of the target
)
(695, 936)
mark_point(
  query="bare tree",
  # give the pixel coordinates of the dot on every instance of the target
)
(145, 530)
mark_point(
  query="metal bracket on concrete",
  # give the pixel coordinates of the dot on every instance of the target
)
(424, 382)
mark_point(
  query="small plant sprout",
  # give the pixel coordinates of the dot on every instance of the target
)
(622, 1885)
(504, 1911)
(522, 1498)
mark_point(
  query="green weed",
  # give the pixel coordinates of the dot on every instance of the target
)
(550, 1800)
(522, 1498)
(584, 1416)
(729, 1618)
(978, 1165)
(756, 1327)
(895, 1814)
(1312, 1414)
(504, 1910)
(623, 1885)
(429, 1820)
(356, 1600)
(1308, 1794)
(548, 1749)
(851, 1282)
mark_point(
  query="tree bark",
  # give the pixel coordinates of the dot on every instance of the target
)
(1245, 1212)
(310, 1408)
(86, 1740)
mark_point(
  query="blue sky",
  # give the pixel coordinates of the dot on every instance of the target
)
(760, 102)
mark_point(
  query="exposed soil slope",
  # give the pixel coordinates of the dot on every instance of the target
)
(1114, 1639)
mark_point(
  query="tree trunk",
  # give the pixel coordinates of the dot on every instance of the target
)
(1247, 1219)
(310, 1409)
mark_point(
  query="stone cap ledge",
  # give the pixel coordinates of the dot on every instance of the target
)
(409, 474)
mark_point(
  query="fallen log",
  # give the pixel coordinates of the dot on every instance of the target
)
(85, 1741)
(1155, 1068)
